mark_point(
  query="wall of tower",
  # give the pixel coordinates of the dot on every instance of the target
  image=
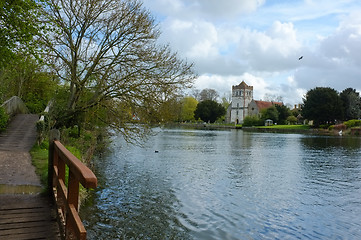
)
(242, 95)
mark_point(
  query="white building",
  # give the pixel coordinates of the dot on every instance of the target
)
(242, 95)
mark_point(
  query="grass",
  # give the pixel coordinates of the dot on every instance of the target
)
(290, 127)
(39, 156)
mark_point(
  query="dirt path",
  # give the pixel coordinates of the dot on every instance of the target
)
(15, 159)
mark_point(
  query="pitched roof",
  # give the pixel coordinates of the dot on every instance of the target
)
(242, 85)
(263, 104)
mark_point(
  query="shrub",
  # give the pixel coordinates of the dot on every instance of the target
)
(250, 121)
(352, 123)
(292, 119)
(4, 118)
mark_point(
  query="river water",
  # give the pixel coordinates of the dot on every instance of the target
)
(200, 184)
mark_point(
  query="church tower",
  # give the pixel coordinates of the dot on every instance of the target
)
(242, 95)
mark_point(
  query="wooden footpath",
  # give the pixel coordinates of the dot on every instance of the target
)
(26, 215)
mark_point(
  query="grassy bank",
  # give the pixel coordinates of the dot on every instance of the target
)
(39, 155)
(289, 127)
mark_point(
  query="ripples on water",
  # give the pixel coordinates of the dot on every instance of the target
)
(228, 185)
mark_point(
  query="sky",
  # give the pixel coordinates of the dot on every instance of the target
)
(260, 42)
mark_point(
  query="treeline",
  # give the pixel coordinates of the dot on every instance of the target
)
(324, 106)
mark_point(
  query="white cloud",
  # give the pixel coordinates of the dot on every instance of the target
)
(274, 50)
(259, 41)
(208, 9)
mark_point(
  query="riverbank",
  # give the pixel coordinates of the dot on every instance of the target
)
(302, 129)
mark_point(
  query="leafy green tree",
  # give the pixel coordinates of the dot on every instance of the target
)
(170, 111)
(25, 78)
(322, 105)
(351, 104)
(189, 105)
(209, 110)
(107, 53)
(283, 113)
(19, 27)
(270, 113)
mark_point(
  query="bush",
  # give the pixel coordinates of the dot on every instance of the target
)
(4, 118)
(250, 121)
(292, 120)
(352, 123)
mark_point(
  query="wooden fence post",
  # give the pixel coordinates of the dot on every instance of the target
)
(54, 134)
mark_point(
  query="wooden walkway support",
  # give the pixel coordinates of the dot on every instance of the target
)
(66, 189)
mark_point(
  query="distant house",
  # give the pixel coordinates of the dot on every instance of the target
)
(244, 105)
(255, 107)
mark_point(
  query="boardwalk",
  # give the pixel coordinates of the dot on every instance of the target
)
(24, 212)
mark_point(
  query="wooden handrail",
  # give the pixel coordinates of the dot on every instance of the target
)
(67, 196)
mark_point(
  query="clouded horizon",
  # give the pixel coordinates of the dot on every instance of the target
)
(260, 42)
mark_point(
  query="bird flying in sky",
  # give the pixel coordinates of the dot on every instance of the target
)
(300, 58)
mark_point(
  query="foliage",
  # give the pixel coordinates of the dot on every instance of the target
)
(209, 110)
(322, 105)
(108, 56)
(189, 105)
(292, 119)
(170, 111)
(24, 77)
(283, 113)
(4, 118)
(352, 123)
(83, 143)
(250, 121)
(351, 104)
(270, 113)
(20, 25)
(39, 156)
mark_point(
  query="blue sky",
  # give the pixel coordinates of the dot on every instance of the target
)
(260, 41)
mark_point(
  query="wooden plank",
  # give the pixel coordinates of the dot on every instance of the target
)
(9, 226)
(27, 229)
(27, 217)
(22, 210)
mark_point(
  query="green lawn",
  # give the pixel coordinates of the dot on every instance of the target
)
(291, 127)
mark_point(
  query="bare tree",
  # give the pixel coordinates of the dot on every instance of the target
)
(106, 52)
(209, 94)
(273, 98)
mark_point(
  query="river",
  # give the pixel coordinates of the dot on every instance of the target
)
(200, 184)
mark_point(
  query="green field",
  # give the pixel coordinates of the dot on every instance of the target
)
(290, 127)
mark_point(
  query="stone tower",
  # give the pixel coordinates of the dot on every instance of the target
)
(242, 95)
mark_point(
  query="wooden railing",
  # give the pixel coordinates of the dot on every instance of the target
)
(66, 196)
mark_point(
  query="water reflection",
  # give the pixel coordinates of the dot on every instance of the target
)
(228, 185)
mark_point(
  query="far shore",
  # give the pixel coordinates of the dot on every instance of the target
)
(304, 129)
